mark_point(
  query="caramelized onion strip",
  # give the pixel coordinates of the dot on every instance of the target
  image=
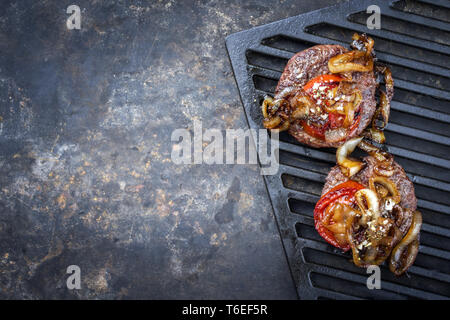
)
(375, 152)
(375, 135)
(405, 252)
(273, 118)
(342, 62)
(386, 183)
(348, 166)
(368, 42)
(379, 236)
(367, 202)
(384, 169)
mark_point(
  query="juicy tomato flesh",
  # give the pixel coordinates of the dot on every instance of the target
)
(318, 89)
(343, 193)
(335, 120)
(323, 79)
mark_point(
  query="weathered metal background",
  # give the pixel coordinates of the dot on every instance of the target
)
(85, 173)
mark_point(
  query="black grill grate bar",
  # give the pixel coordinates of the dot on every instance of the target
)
(305, 151)
(389, 289)
(420, 8)
(391, 36)
(396, 151)
(325, 247)
(415, 270)
(423, 112)
(317, 176)
(315, 36)
(439, 230)
(411, 86)
(408, 17)
(419, 157)
(329, 157)
(425, 135)
(328, 295)
(337, 259)
(437, 184)
(441, 3)
(421, 203)
(435, 252)
(321, 279)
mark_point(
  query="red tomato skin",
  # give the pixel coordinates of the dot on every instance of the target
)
(325, 78)
(348, 189)
(312, 130)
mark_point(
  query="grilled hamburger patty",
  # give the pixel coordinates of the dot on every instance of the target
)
(311, 63)
(404, 186)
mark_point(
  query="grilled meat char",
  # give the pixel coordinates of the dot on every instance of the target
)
(404, 186)
(311, 63)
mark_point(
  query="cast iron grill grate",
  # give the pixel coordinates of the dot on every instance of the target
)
(414, 41)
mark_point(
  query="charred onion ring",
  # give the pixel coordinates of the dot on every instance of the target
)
(374, 151)
(375, 135)
(275, 113)
(384, 168)
(379, 234)
(381, 116)
(342, 62)
(348, 166)
(368, 42)
(386, 183)
(351, 107)
(406, 251)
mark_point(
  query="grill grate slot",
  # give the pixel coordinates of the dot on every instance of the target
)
(415, 121)
(339, 261)
(423, 9)
(304, 185)
(423, 101)
(357, 289)
(433, 263)
(417, 144)
(435, 218)
(333, 32)
(299, 161)
(420, 77)
(435, 241)
(287, 43)
(418, 135)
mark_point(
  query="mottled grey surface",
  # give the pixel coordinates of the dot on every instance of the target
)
(85, 171)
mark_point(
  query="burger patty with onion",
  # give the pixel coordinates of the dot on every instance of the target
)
(327, 94)
(369, 206)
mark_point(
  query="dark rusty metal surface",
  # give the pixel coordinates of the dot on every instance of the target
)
(85, 170)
